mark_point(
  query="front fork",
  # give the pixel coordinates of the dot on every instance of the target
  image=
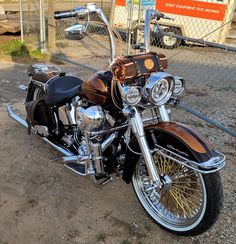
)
(138, 130)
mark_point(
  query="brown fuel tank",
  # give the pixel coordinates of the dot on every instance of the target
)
(95, 91)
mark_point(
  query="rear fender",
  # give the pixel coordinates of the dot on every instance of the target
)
(178, 137)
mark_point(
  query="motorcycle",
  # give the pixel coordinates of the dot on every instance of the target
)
(118, 122)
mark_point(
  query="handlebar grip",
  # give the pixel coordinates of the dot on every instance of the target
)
(64, 14)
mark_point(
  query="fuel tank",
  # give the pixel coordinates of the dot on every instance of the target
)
(97, 90)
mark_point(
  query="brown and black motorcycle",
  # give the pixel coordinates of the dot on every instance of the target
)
(118, 122)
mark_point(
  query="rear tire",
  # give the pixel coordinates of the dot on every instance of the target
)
(189, 206)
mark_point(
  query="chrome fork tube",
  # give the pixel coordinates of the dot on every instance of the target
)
(138, 130)
(150, 14)
(164, 114)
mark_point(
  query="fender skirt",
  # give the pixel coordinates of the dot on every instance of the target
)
(170, 135)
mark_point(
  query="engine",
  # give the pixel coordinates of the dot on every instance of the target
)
(90, 118)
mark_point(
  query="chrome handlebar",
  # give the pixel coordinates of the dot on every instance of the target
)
(151, 15)
(86, 10)
(92, 8)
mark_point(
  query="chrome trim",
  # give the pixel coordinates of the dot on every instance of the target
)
(138, 129)
(164, 115)
(182, 88)
(146, 121)
(75, 158)
(16, 117)
(70, 109)
(97, 158)
(111, 36)
(105, 144)
(212, 165)
(93, 117)
(92, 8)
(152, 82)
(75, 32)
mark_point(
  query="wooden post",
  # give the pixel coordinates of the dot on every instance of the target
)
(51, 24)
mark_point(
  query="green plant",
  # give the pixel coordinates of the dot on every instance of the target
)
(18, 50)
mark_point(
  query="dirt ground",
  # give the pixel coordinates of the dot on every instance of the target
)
(42, 202)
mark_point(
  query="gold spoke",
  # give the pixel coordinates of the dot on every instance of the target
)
(177, 168)
(172, 165)
(178, 203)
(191, 195)
(183, 198)
(188, 188)
(184, 182)
(184, 202)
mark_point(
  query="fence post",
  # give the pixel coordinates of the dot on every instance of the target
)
(51, 25)
(129, 25)
(21, 22)
(42, 26)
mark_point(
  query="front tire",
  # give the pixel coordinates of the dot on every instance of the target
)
(189, 204)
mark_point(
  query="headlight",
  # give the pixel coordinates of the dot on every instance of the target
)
(179, 86)
(158, 88)
(131, 95)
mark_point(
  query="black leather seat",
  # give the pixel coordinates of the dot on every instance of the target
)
(61, 89)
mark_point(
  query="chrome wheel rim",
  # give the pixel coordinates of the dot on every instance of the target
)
(181, 204)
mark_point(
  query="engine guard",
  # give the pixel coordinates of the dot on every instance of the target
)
(182, 140)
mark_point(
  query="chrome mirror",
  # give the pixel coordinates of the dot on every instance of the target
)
(75, 32)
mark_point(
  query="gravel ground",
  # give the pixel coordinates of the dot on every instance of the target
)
(42, 202)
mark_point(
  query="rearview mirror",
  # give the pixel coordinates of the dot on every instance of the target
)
(75, 32)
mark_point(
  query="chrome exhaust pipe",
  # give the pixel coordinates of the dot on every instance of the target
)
(22, 122)
(15, 116)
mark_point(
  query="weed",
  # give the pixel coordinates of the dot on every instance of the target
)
(19, 51)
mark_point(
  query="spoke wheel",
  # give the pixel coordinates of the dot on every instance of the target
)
(181, 206)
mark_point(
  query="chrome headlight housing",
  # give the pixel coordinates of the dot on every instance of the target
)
(131, 95)
(179, 86)
(159, 88)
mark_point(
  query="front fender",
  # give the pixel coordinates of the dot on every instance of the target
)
(175, 135)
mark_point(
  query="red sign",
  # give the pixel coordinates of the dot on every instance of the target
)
(192, 8)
